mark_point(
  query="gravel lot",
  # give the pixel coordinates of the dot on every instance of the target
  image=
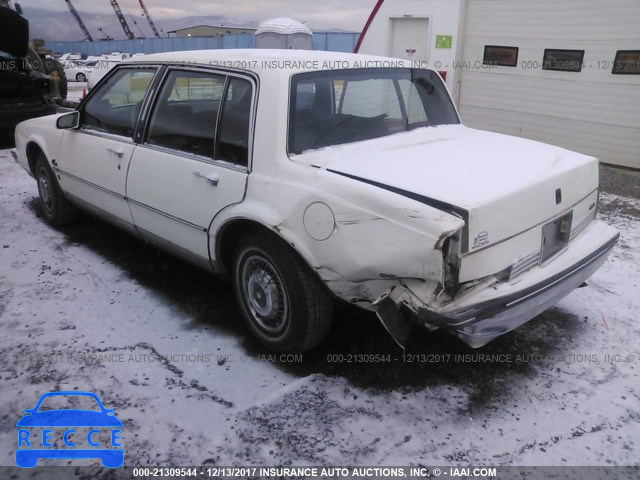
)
(90, 308)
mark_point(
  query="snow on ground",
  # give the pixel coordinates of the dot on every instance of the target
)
(90, 308)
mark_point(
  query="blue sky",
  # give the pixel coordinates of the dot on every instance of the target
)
(349, 15)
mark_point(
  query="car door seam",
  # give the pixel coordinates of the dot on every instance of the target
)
(59, 170)
(168, 215)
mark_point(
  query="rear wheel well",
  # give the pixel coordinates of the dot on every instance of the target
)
(232, 232)
(33, 150)
(228, 238)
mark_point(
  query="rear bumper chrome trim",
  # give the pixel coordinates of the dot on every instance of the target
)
(477, 324)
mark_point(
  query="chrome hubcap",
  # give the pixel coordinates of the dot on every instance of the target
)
(265, 294)
(44, 188)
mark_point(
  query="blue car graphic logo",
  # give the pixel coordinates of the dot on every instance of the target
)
(100, 423)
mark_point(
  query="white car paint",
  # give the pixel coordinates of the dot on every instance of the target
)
(78, 71)
(100, 69)
(70, 57)
(387, 224)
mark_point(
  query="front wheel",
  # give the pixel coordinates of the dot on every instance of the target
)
(285, 305)
(57, 209)
(81, 77)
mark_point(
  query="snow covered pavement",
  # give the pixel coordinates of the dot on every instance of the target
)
(90, 308)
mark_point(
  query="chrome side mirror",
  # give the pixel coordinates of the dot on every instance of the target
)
(70, 120)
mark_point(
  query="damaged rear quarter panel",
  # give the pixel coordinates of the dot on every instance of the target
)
(379, 238)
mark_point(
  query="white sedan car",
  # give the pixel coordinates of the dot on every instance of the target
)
(306, 176)
(78, 71)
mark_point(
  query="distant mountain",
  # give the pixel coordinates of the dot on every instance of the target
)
(61, 26)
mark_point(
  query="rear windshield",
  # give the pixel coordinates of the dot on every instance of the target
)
(343, 106)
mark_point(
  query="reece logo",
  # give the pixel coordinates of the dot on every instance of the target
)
(90, 433)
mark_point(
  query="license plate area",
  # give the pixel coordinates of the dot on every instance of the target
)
(555, 237)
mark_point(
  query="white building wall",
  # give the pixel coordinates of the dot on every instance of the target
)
(592, 111)
(444, 19)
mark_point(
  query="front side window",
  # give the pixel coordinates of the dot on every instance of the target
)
(114, 108)
(186, 113)
(343, 106)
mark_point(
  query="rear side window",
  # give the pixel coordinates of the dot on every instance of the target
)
(203, 114)
(233, 134)
(186, 113)
(114, 108)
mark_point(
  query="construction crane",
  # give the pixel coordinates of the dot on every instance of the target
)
(123, 21)
(76, 15)
(151, 24)
(106, 35)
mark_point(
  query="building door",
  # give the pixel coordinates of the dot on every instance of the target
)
(410, 38)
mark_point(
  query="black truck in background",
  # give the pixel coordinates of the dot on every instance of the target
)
(25, 84)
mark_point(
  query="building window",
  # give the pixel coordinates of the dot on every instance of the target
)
(627, 62)
(500, 56)
(562, 60)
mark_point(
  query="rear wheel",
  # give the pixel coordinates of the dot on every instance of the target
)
(57, 209)
(285, 305)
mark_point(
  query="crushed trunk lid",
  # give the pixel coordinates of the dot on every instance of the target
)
(500, 185)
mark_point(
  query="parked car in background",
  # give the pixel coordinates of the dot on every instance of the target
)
(79, 71)
(304, 176)
(99, 69)
(25, 88)
(70, 57)
(117, 55)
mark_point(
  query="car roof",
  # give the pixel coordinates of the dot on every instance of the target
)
(263, 60)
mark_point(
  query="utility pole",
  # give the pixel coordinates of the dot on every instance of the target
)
(123, 21)
(76, 15)
(151, 24)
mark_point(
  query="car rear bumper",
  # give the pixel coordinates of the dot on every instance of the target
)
(505, 306)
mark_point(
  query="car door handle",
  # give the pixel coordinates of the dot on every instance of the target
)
(212, 179)
(118, 152)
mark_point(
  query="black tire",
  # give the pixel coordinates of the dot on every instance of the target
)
(81, 77)
(57, 209)
(285, 305)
